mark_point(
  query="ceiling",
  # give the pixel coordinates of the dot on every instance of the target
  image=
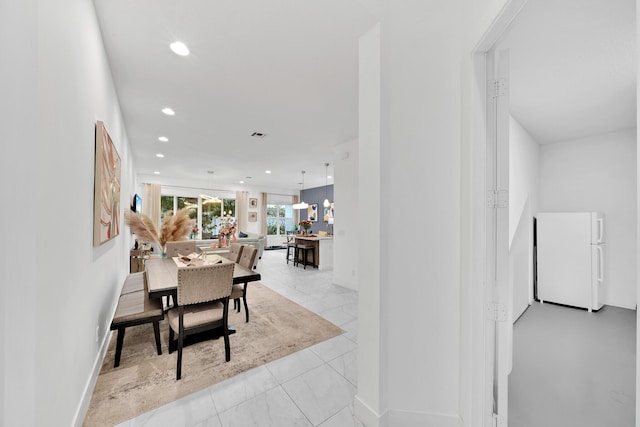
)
(573, 67)
(284, 68)
(289, 69)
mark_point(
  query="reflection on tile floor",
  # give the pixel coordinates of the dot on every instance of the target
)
(313, 387)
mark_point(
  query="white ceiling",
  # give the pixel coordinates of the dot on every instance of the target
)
(287, 68)
(573, 67)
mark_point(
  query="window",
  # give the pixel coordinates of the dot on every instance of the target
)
(209, 221)
(279, 219)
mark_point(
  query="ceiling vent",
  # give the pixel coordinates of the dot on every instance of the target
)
(258, 135)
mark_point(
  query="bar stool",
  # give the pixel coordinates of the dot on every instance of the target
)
(304, 249)
(291, 253)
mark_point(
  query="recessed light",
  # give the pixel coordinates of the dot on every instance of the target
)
(179, 48)
(163, 138)
(241, 182)
(329, 177)
(168, 111)
(267, 171)
(160, 155)
(156, 172)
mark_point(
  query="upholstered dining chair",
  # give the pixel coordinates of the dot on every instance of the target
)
(240, 291)
(203, 304)
(235, 251)
(183, 247)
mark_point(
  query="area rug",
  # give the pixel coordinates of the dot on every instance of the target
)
(145, 381)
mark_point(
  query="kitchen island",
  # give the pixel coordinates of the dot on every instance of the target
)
(322, 248)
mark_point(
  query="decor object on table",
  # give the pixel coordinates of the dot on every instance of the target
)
(227, 230)
(306, 225)
(106, 194)
(174, 227)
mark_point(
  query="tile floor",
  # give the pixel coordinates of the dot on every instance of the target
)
(313, 387)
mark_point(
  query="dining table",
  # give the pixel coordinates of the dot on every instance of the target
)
(162, 275)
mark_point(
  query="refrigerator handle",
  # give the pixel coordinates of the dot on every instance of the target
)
(600, 264)
(600, 229)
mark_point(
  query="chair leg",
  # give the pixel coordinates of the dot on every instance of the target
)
(225, 332)
(171, 339)
(180, 343)
(179, 364)
(156, 332)
(119, 341)
(246, 307)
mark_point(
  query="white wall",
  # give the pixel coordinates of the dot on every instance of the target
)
(427, 346)
(370, 352)
(598, 173)
(346, 221)
(523, 204)
(59, 287)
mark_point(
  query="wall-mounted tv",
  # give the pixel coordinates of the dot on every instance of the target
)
(136, 203)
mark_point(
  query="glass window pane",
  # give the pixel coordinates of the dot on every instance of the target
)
(166, 206)
(229, 207)
(211, 212)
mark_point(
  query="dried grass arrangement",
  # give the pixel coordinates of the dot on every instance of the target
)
(174, 227)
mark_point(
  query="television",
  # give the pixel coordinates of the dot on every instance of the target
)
(136, 203)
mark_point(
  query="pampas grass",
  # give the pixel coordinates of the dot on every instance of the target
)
(174, 227)
(139, 227)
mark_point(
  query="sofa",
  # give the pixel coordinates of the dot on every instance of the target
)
(253, 239)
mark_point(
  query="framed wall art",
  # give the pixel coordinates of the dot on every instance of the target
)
(106, 192)
(253, 216)
(253, 203)
(312, 212)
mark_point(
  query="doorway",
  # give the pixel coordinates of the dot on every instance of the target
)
(509, 14)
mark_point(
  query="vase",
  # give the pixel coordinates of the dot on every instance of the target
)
(227, 241)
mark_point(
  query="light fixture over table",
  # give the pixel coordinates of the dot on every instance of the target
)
(302, 204)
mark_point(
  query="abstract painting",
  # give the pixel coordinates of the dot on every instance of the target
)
(106, 193)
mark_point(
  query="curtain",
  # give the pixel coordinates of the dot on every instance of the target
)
(241, 210)
(151, 203)
(263, 214)
(296, 212)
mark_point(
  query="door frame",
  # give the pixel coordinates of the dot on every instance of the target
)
(483, 366)
(482, 262)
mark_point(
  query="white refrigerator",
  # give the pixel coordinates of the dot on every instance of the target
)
(570, 258)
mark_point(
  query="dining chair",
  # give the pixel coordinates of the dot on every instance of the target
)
(202, 305)
(240, 291)
(235, 251)
(183, 247)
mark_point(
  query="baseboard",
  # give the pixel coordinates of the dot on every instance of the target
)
(364, 413)
(91, 382)
(393, 418)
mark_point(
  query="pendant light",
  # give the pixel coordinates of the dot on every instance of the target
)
(209, 199)
(326, 202)
(302, 204)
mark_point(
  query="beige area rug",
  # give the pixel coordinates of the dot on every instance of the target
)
(145, 381)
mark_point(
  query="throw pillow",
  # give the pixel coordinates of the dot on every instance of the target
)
(243, 234)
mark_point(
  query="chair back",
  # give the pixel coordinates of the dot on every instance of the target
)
(204, 283)
(184, 247)
(248, 256)
(235, 250)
